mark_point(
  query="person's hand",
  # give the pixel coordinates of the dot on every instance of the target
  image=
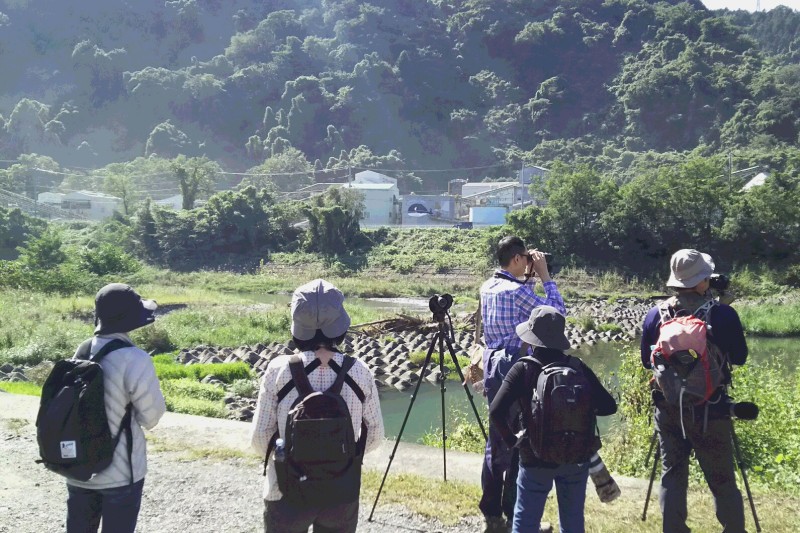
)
(538, 262)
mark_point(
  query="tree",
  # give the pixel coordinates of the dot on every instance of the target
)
(196, 176)
(286, 171)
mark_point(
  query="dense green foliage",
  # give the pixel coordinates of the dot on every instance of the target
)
(310, 88)
(590, 219)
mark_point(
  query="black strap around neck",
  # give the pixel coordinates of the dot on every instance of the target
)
(503, 275)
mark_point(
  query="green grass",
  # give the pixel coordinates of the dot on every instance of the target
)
(225, 372)
(192, 389)
(448, 502)
(771, 320)
(21, 387)
(195, 406)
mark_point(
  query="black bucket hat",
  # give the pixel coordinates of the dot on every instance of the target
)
(119, 309)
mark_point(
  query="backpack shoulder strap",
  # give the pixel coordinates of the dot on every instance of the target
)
(347, 364)
(310, 367)
(347, 379)
(84, 349)
(704, 311)
(667, 310)
(299, 376)
(110, 346)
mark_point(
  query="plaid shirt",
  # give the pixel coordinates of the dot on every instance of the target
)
(505, 303)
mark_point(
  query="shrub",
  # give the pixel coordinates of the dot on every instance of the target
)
(153, 339)
(246, 388)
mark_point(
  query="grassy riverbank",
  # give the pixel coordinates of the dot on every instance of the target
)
(778, 512)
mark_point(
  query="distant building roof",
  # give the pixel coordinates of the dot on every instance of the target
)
(91, 194)
(370, 186)
(370, 176)
(758, 180)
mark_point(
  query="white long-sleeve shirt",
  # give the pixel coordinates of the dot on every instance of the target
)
(128, 377)
(271, 415)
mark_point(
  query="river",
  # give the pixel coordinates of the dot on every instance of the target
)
(604, 358)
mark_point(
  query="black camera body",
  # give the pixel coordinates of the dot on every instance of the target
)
(550, 262)
(440, 303)
(719, 282)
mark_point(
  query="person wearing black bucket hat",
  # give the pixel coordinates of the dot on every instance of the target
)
(319, 326)
(544, 332)
(119, 309)
(115, 494)
(706, 430)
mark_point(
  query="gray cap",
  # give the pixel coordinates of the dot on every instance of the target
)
(318, 305)
(544, 328)
(688, 268)
(119, 309)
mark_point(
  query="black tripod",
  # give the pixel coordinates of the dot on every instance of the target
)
(439, 306)
(655, 453)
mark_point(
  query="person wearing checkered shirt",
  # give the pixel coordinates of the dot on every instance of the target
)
(507, 300)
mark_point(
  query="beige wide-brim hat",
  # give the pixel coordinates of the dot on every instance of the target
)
(688, 268)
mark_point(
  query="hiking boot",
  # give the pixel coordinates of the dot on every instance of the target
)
(495, 524)
(545, 527)
(607, 489)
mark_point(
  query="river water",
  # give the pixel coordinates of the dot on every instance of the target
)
(603, 358)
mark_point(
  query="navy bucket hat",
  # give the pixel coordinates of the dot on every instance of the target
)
(119, 309)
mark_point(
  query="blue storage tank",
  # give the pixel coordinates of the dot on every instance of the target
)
(490, 215)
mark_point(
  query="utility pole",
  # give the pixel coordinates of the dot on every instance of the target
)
(730, 170)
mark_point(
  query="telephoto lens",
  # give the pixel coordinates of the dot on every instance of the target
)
(744, 410)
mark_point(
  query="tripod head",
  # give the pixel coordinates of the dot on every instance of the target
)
(440, 305)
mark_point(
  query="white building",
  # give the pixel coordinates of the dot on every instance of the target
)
(759, 180)
(381, 202)
(92, 205)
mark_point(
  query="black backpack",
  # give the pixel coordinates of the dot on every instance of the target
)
(562, 424)
(71, 426)
(320, 463)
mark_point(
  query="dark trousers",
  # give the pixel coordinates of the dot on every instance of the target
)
(118, 508)
(498, 477)
(283, 517)
(714, 451)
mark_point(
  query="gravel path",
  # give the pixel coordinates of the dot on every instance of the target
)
(184, 493)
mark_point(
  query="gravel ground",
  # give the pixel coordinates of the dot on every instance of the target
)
(180, 495)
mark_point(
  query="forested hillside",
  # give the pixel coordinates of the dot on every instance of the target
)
(397, 84)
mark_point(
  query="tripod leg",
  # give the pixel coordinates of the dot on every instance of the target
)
(655, 453)
(402, 427)
(741, 464)
(443, 378)
(466, 387)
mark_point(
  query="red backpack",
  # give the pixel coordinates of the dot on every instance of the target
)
(687, 367)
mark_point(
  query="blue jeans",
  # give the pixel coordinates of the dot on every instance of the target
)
(118, 507)
(533, 486)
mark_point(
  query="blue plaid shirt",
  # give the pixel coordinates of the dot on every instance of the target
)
(505, 303)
